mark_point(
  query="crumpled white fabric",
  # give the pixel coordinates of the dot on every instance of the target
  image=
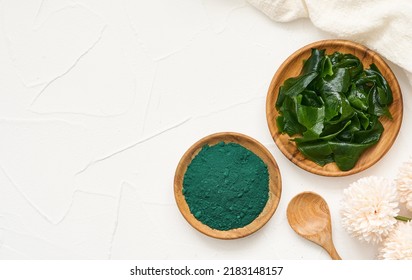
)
(382, 25)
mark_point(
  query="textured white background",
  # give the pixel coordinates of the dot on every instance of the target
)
(99, 99)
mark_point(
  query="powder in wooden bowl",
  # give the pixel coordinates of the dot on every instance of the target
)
(226, 186)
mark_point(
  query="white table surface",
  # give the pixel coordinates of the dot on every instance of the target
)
(100, 99)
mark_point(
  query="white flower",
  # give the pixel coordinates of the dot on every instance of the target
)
(369, 208)
(398, 245)
(404, 184)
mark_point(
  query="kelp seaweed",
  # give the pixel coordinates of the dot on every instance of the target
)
(332, 108)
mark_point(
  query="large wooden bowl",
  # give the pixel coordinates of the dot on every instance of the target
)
(275, 184)
(292, 67)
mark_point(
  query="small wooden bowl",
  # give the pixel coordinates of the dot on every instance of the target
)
(292, 67)
(275, 184)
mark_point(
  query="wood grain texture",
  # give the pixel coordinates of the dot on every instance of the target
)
(292, 66)
(308, 215)
(275, 184)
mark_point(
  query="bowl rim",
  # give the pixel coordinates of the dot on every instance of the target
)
(371, 155)
(275, 184)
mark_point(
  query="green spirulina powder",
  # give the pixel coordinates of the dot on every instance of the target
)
(226, 186)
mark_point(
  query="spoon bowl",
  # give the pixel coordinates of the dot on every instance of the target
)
(308, 215)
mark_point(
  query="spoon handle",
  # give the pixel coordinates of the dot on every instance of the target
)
(333, 253)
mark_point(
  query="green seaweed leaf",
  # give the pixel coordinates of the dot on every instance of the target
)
(317, 151)
(358, 98)
(314, 62)
(347, 154)
(338, 82)
(294, 86)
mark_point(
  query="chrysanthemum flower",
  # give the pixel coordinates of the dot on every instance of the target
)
(369, 208)
(398, 245)
(404, 184)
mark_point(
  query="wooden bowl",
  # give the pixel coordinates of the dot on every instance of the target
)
(275, 184)
(292, 67)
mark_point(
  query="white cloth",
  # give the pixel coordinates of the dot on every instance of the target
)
(382, 25)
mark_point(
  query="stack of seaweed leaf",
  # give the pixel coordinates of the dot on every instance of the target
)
(332, 108)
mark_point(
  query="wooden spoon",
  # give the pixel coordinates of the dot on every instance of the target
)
(308, 215)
